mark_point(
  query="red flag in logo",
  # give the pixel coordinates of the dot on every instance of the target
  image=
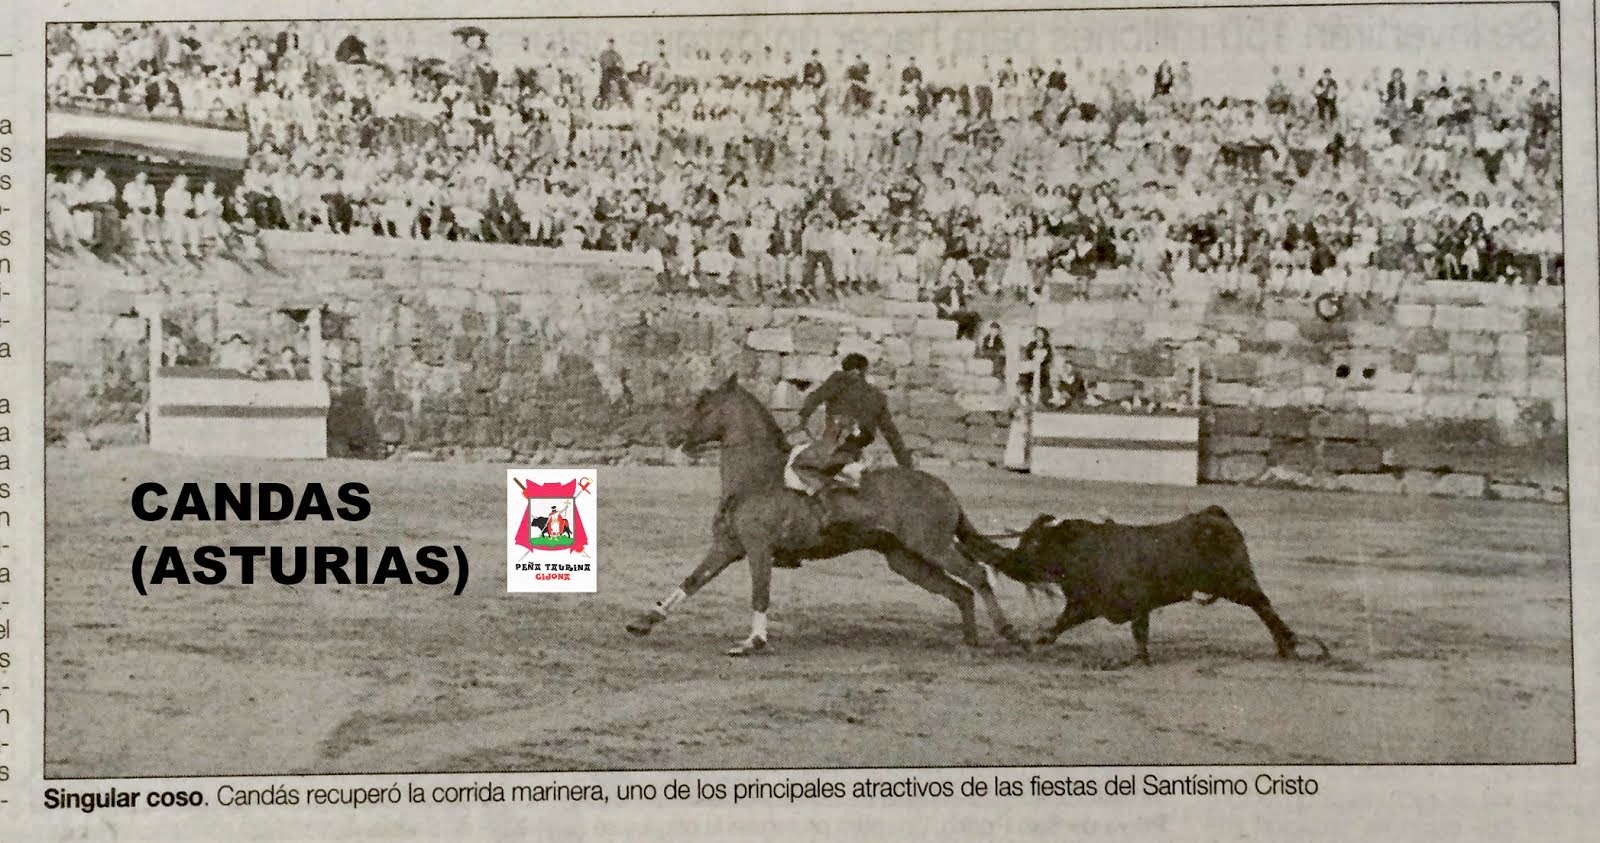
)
(550, 491)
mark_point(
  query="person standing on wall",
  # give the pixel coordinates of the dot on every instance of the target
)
(1034, 389)
(613, 79)
(816, 240)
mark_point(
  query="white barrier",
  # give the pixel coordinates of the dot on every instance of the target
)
(210, 414)
(1156, 449)
(221, 413)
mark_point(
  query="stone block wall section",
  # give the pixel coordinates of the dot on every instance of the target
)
(1447, 351)
(1500, 362)
(1347, 451)
(435, 351)
(949, 405)
(440, 350)
(1456, 389)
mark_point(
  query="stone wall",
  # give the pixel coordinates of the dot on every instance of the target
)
(949, 405)
(1456, 388)
(492, 352)
(439, 350)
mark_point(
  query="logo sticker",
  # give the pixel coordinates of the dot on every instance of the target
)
(551, 531)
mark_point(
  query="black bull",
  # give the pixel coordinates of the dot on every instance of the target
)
(1123, 572)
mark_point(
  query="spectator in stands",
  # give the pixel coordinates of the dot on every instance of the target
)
(174, 351)
(288, 366)
(236, 354)
(400, 152)
(716, 265)
(1071, 389)
(613, 77)
(950, 303)
(1326, 94)
(1034, 378)
(139, 196)
(815, 241)
(991, 346)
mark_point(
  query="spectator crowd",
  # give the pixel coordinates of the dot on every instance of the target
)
(761, 171)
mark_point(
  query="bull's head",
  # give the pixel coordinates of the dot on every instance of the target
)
(1032, 540)
(1022, 563)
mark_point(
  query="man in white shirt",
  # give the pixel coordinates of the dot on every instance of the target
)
(572, 239)
(99, 197)
(816, 241)
(140, 197)
(841, 248)
(177, 211)
(755, 244)
(715, 263)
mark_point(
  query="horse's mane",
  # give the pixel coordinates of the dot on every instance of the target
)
(769, 425)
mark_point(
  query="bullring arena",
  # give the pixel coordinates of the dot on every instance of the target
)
(1448, 619)
(1349, 304)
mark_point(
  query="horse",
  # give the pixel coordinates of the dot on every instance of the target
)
(909, 516)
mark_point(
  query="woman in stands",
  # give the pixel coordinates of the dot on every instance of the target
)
(1034, 378)
(991, 346)
(1476, 249)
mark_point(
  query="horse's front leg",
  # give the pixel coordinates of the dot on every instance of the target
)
(722, 553)
(760, 598)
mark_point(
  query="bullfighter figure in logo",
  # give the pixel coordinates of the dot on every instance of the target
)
(556, 524)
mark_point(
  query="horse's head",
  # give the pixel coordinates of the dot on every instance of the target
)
(706, 422)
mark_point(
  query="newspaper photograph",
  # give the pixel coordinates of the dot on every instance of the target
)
(737, 420)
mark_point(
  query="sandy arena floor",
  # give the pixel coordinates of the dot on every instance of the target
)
(1449, 621)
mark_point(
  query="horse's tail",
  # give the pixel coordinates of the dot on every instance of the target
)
(979, 547)
(994, 557)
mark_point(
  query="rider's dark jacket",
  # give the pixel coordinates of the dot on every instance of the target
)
(850, 399)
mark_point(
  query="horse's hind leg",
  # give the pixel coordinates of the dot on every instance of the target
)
(973, 574)
(913, 568)
(722, 553)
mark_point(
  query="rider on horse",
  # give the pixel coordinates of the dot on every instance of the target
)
(856, 411)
